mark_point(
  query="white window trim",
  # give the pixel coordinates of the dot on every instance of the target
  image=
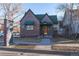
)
(29, 27)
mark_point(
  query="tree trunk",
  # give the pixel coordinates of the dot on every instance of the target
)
(7, 32)
(9, 35)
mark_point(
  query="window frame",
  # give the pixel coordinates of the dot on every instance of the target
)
(29, 27)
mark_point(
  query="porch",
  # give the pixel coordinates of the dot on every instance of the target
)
(46, 29)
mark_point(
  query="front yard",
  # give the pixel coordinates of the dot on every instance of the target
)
(31, 41)
(25, 42)
(28, 39)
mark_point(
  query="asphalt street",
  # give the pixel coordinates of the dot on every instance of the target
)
(12, 53)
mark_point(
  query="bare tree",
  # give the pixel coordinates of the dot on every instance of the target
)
(71, 6)
(64, 8)
(10, 11)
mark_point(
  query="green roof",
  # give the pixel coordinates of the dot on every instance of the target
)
(40, 16)
(53, 18)
(29, 22)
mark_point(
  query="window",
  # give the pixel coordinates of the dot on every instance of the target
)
(29, 27)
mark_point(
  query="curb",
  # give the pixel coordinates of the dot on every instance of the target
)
(66, 53)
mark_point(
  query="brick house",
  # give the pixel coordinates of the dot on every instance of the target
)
(1, 24)
(35, 25)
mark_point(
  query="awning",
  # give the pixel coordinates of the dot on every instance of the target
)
(29, 22)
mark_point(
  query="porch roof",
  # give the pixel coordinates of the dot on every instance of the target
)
(52, 17)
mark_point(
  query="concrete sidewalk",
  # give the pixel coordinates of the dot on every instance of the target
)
(14, 53)
(30, 52)
(70, 45)
(66, 47)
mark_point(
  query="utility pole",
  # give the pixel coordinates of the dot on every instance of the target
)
(5, 31)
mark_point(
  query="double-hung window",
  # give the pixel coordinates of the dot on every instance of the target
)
(29, 27)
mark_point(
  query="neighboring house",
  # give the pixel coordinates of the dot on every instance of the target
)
(32, 25)
(16, 31)
(16, 28)
(60, 29)
(1, 27)
(71, 21)
(1, 24)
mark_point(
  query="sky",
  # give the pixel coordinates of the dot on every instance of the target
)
(42, 8)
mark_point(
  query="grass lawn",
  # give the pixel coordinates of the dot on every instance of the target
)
(29, 39)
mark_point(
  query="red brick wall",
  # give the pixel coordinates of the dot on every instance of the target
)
(28, 33)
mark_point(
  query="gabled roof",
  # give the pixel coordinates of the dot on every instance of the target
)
(41, 16)
(46, 19)
(54, 19)
(26, 14)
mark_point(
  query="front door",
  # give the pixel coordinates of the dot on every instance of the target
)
(45, 30)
